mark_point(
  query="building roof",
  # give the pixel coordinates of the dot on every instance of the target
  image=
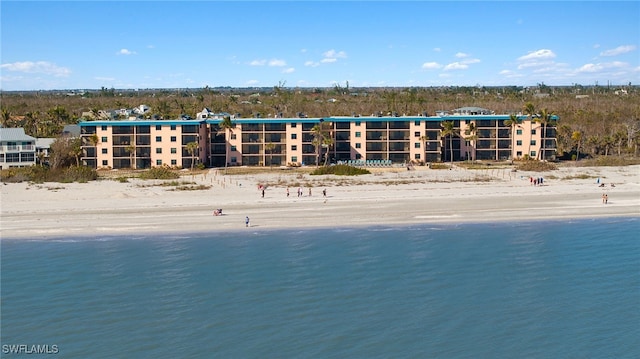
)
(44, 142)
(14, 135)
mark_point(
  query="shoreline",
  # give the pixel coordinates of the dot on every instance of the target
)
(396, 198)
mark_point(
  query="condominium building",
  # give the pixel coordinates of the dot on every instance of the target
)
(477, 134)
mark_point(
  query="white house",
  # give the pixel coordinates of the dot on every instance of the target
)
(17, 149)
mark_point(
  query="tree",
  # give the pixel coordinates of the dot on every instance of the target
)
(327, 142)
(544, 118)
(226, 127)
(320, 133)
(270, 147)
(423, 140)
(513, 122)
(6, 117)
(576, 136)
(64, 151)
(192, 148)
(132, 155)
(448, 130)
(470, 136)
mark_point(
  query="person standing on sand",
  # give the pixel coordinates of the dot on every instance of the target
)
(324, 193)
(603, 198)
(287, 191)
(246, 221)
(606, 199)
(309, 191)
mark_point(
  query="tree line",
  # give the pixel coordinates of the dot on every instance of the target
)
(595, 120)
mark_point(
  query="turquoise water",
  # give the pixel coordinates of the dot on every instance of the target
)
(520, 290)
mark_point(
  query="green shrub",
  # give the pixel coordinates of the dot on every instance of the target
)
(159, 173)
(537, 166)
(39, 174)
(340, 170)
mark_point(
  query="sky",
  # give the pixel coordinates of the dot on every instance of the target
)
(53, 45)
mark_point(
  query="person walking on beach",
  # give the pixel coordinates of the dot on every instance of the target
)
(309, 191)
(246, 221)
(324, 193)
(287, 191)
(262, 192)
(606, 198)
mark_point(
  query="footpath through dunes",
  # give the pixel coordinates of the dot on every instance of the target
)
(388, 197)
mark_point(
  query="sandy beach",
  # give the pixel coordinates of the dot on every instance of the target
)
(385, 197)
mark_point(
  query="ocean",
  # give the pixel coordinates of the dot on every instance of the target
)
(523, 289)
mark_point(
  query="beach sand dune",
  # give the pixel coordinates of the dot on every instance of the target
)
(390, 197)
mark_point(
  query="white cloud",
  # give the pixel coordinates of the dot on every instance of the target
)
(437, 49)
(456, 66)
(328, 60)
(125, 52)
(431, 65)
(461, 55)
(277, 62)
(311, 63)
(258, 63)
(335, 54)
(538, 55)
(592, 68)
(38, 67)
(289, 70)
(618, 50)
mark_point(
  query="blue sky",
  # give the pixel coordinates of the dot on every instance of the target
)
(163, 44)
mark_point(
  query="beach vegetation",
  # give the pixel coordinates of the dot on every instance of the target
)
(159, 173)
(41, 174)
(340, 170)
(536, 166)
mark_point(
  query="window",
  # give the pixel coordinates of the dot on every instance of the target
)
(417, 123)
(233, 136)
(294, 125)
(532, 154)
(519, 154)
(174, 150)
(294, 158)
(416, 134)
(358, 123)
(233, 148)
(103, 139)
(158, 127)
(358, 134)
(294, 147)
(173, 127)
(158, 150)
(358, 145)
(104, 128)
(533, 132)
(234, 159)
(104, 151)
(519, 143)
(174, 162)
(105, 162)
(158, 138)
(417, 156)
(158, 162)
(173, 139)
(416, 145)
(533, 142)
(294, 136)
(518, 132)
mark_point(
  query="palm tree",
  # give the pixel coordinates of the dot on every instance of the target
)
(132, 154)
(192, 148)
(544, 118)
(530, 110)
(423, 139)
(319, 133)
(513, 122)
(226, 126)
(470, 136)
(327, 142)
(577, 137)
(448, 129)
(270, 147)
